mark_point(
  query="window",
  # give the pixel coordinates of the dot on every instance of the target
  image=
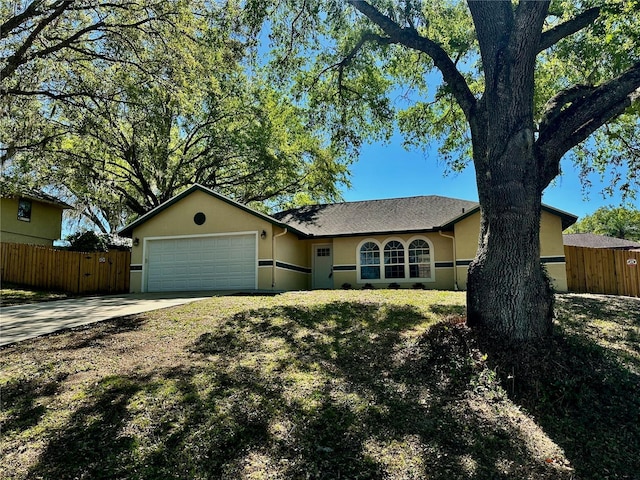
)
(24, 210)
(419, 259)
(393, 260)
(369, 261)
(323, 252)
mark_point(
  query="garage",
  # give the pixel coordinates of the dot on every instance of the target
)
(209, 262)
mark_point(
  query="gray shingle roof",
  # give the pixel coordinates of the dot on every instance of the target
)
(591, 240)
(375, 216)
(8, 191)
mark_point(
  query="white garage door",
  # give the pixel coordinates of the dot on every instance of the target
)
(202, 263)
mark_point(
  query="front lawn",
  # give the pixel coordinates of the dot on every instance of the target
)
(17, 295)
(325, 385)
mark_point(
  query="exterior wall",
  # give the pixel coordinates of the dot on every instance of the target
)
(551, 248)
(221, 217)
(345, 260)
(293, 267)
(45, 225)
(466, 232)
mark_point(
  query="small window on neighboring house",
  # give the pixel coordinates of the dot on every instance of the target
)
(24, 210)
(369, 261)
(323, 252)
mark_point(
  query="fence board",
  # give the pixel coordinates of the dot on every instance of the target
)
(603, 270)
(75, 272)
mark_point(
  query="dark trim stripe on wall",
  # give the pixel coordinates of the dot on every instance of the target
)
(444, 264)
(344, 268)
(553, 259)
(465, 263)
(135, 268)
(294, 268)
(265, 263)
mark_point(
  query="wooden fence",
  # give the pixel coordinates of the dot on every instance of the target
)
(603, 270)
(74, 272)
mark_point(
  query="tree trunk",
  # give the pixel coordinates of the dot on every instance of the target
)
(508, 291)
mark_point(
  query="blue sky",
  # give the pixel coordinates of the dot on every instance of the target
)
(389, 171)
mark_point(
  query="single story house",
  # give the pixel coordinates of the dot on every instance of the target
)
(201, 240)
(592, 240)
(31, 217)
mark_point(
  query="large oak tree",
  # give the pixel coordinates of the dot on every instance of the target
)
(135, 101)
(523, 84)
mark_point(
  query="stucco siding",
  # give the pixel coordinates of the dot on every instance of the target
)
(345, 259)
(43, 228)
(178, 221)
(293, 267)
(551, 248)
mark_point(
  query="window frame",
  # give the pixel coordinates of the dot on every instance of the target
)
(368, 265)
(28, 211)
(381, 244)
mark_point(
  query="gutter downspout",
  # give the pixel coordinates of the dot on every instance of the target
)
(455, 268)
(273, 253)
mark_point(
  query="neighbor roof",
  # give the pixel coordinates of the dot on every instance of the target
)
(410, 214)
(6, 191)
(591, 240)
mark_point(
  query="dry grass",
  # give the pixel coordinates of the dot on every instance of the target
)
(322, 385)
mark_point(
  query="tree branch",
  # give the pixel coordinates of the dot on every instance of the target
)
(410, 38)
(580, 111)
(557, 33)
(14, 22)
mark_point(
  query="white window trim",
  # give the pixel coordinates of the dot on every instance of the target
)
(405, 245)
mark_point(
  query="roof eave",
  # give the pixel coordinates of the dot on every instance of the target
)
(127, 231)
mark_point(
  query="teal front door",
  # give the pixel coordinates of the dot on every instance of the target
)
(322, 266)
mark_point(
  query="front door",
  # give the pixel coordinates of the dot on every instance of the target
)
(322, 267)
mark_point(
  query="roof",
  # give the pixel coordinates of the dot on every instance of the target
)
(567, 218)
(369, 217)
(591, 240)
(127, 231)
(376, 216)
(7, 192)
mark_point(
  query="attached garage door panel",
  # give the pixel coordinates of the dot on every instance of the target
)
(202, 263)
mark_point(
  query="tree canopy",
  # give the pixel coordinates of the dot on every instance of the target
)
(619, 222)
(121, 127)
(513, 85)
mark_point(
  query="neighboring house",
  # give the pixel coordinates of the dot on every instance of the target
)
(30, 217)
(591, 240)
(201, 240)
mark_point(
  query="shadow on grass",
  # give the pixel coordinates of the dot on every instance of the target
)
(582, 385)
(352, 390)
(95, 335)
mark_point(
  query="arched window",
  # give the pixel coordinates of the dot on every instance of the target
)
(394, 260)
(369, 261)
(419, 259)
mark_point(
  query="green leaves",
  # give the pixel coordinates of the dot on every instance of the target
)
(616, 222)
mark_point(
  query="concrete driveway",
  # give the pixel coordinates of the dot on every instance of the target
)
(22, 322)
